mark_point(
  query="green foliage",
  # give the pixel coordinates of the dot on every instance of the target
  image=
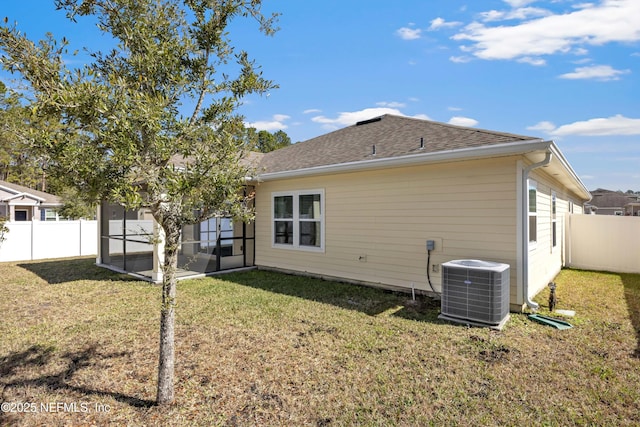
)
(3, 228)
(264, 141)
(114, 129)
(74, 207)
(17, 163)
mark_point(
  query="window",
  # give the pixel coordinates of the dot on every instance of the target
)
(48, 215)
(20, 215)
(533, 212)
(554, 223)
(298, 219)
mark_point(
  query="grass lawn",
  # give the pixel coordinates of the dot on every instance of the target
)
(78, 345)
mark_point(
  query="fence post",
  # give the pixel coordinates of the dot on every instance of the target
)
(33, 234)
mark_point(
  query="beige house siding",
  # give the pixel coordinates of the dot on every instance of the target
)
(377, 222)
(545, 260)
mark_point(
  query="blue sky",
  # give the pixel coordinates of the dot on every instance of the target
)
(557, 69)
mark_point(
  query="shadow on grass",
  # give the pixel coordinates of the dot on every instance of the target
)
(631, 284)
(368, 300)
(72, 269)
(17, 373)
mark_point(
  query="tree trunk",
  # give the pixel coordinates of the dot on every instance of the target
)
(166, 362)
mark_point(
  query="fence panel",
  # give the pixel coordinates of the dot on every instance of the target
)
(603, 242)
(17, 243)
(31, 240)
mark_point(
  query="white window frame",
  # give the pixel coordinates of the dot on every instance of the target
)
(296, 219)
(48, 214)
(532, 185)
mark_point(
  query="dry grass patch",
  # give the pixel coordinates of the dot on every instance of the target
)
(261, 348)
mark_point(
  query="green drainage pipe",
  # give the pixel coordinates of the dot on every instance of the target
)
(550, 321)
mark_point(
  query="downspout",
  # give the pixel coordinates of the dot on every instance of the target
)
(525, 228)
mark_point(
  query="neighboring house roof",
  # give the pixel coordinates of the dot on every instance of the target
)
(401, 141)
(611, 199)
(15, 191)
(249, 159)
(393, 136)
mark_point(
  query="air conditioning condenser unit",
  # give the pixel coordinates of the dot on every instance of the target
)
(475, 292)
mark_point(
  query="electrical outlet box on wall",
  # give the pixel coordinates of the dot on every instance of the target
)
(437, 244)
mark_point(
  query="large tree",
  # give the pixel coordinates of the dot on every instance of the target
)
(120, 121)
(17, 164)
(265, 141)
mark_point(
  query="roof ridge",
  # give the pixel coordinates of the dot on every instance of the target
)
(469, 128)
(393, 135)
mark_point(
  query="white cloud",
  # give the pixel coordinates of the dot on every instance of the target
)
(518, 3)
(312, 111)
(460, 59)
(421, 116)
(439, 23)
(352, 117)
(520, 13)
(454, 108)
(391, 104)
(492, 15)
(616, 125)
(281, 117)
(545, 126)
(582, 61)
(270, 125)
(462, 121)
(582, 5)
(608, 22)
(595, 72)
(532, 61)
(406, 33)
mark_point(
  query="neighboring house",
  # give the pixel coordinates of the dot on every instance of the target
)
(19, 203)
(607, 202)
(359, 204)
(632, 209)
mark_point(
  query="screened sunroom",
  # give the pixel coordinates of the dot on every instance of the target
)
(130, 242)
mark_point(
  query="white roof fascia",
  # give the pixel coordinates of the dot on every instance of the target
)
(27, 195)
(8, 189)
(567, 167)
(497, 150)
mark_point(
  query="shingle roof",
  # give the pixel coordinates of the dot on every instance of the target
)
(393, 136)
(49, 199)
(611, 199)
(250, 159)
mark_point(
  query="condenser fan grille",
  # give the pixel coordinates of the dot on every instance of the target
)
(476, 291)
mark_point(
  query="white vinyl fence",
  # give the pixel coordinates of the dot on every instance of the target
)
(31, 240)
(603, 242)
(593, 242)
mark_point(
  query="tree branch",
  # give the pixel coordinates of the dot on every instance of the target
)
(203, 90)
